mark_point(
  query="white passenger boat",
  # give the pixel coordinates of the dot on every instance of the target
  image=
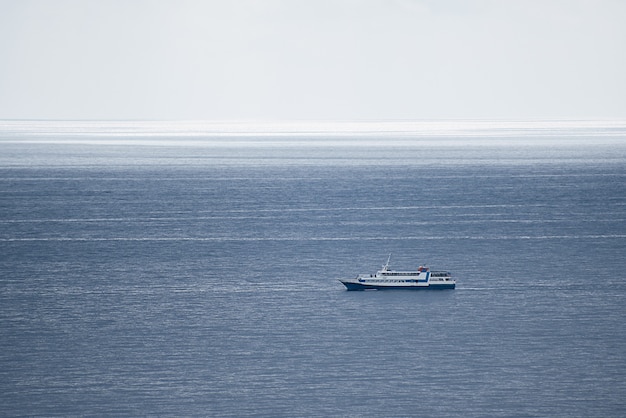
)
(385, 278)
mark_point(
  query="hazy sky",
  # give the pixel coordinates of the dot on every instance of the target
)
(312, 59)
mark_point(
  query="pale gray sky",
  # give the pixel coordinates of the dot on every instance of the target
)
(312, 59)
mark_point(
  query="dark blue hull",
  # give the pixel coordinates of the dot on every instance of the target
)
(359, 286)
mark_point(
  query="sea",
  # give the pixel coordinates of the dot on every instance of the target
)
(191, 268)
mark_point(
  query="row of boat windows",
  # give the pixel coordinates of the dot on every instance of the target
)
(412, 273)
(400, 273)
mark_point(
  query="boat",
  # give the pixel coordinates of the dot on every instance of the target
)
(421, 279)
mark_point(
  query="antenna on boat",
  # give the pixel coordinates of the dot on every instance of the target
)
(387, 263)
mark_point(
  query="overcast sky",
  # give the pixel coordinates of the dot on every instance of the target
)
(312, 59)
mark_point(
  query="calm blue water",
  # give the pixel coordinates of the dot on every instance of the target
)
(169, 275)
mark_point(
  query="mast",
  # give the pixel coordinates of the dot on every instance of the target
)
(386, 265)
